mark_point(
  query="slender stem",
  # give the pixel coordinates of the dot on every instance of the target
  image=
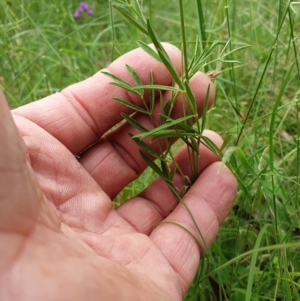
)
(183, 36)
(150, 9)
(202, 27)
(193, 155)
(180, 199)
(113, 30)
(291, 22)
(232, 75)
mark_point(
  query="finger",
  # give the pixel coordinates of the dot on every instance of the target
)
(18, 195)
(83, 112)
(209, 200)
(117, 156)
(149, 208)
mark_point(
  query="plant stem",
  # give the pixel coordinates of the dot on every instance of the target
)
(183, 35)
(113, 30)
(202, 27)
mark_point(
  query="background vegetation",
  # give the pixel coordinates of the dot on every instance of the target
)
(256, 256)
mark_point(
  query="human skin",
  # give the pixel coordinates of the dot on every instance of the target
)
(60, 238)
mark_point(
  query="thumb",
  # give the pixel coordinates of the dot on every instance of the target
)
(19, 191)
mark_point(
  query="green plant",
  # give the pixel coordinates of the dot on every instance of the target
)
(190, 127)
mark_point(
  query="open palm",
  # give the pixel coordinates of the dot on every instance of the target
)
(60, 238)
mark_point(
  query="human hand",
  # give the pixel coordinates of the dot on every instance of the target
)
(60, 238)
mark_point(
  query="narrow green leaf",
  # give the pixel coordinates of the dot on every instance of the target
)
(241, 183)
(205, 109)
(212, 146)
(119, 82)
(153, 37)
(230, 61)
(191, 98)
(235, 50)
(145, 147)
(169, 65)
(228, 43)
(202, 26)
(164, 56)
(119, 2)
(228, 154)
(134, 75)
(195, 142)
(165, 168)
(202, 59)
(184, 53)
(137, 80)
(149, 50)
(162, 106)
(191, 145)
(134, 123)
(163, 127)
(117, 79)
(130, 105)
(129, 89)
(154, 167)
(172, 133)
(138, 10)
(253, 267)
(195, 54)
(151, 92)
(225, 142)
(241, 156)
(282, 90)
(167, 109)
(131, 19)
(188, 129)
(158, 87)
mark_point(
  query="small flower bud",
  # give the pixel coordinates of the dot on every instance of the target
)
(77, 14)
(90, 12)
(83, 6)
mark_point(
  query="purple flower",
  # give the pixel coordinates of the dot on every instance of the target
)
(83, 6)
(77, 14)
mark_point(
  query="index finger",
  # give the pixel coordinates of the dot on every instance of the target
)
(80, 114)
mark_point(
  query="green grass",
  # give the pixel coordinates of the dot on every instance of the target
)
(256, 255)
